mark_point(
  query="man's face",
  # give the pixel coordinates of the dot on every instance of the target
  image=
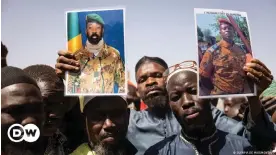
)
(151, 85)
(22, 104)
(232, 106)
(203, 46)
(132, 97)
(226, 31)
(55, 108)
(107, 121)
(190, 111)
(94, 32)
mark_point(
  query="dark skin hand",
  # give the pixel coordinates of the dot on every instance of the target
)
(269, 103)
(261, 76)
(66, 61)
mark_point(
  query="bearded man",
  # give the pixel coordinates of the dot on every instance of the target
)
(99, 65)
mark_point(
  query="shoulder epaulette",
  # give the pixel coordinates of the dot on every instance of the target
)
(213, 48)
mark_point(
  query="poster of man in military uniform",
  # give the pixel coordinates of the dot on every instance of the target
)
(221, 70)
(96, 39)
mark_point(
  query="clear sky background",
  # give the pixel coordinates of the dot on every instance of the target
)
(35, 30)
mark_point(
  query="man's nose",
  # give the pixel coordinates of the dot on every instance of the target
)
(226, 109)
(108, 123)
(187, 101)
(151, 81)
(94, 30)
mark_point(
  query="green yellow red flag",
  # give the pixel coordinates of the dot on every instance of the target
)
(73, 32)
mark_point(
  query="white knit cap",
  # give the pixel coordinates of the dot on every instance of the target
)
(180, 70)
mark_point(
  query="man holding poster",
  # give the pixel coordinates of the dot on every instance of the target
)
(221, 68)
(101, 67)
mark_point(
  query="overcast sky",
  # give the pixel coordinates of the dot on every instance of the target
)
(35, 30)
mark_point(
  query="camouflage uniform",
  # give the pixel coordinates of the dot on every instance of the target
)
(98, 73)
(223, 63)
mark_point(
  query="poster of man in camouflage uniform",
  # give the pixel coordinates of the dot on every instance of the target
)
(96, 39)
(221, 70)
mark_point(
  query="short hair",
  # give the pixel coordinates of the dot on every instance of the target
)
(46, 74)
(145, 59)
(13, 75)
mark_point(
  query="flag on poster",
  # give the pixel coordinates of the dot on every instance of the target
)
(74, 33)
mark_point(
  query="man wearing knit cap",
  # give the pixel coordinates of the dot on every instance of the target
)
(100, 65)
(107, 123)
(21, 103)
(221, 68)
(199, 134)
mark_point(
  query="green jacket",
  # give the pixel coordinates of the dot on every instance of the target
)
(83, 149)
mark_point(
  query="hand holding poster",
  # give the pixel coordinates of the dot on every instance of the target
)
(96, 38)
(223, 40)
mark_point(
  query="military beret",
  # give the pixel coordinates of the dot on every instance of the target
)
(90, 99)
(223, 20)
(94, 17)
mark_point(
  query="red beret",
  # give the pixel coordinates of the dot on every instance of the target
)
(223, 20)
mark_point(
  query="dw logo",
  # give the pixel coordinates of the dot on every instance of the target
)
(29, 133)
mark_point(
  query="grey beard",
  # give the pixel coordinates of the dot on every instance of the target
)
(101, 150)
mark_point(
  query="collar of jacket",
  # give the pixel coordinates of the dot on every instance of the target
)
(102, 54)
(208, 139)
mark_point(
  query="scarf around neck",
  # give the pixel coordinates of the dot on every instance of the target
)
(95, 49)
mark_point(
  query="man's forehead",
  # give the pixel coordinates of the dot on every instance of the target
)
(225, 25)
(91, 23)
(21, 89)
(180, 78)
(149, 67)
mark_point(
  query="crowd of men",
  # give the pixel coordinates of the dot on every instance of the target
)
(175, 122)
